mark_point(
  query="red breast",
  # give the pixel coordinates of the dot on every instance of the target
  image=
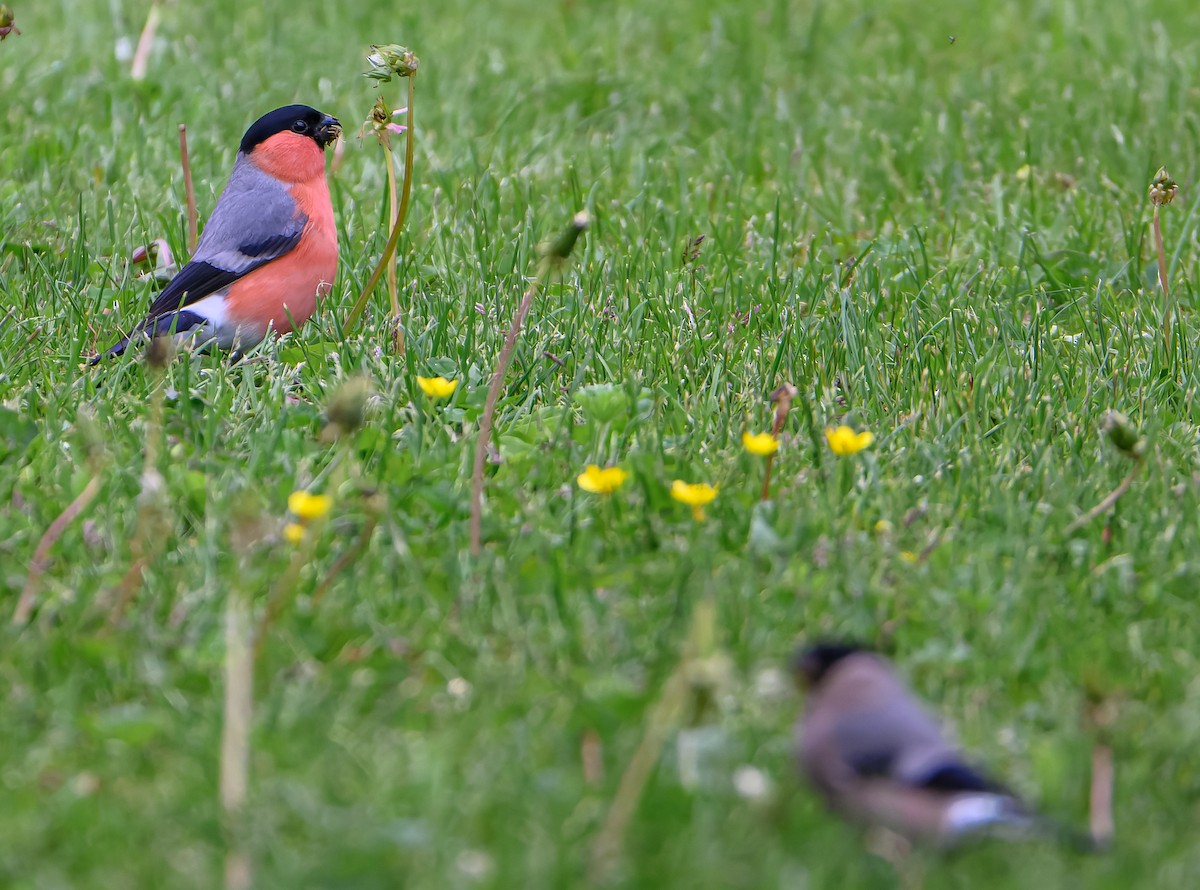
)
(284, 292)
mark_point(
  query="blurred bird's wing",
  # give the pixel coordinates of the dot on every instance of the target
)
(901, 741)
(864, 723)
(255, 221)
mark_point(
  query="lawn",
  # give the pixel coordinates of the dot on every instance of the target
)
(931, 218)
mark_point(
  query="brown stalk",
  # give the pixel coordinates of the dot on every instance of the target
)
(1100, 798)
(235, 739)
(189, 189)
(782, 398)
(556, 252)
(1168, 305)
(141, 55)
(1107, 504)
(41, 555)
(346, 559)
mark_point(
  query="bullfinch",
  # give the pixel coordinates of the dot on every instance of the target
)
(269, 250)
(879, 758)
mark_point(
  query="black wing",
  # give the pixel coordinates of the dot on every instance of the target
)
(198, 278)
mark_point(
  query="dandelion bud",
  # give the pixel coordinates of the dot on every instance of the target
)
(159, 352)
(1123, 434)
(1163, 188)
(560, 248)
(7, 22)
(388, 60)
(89, 431)
(381, 116)
(348, 408)
(784, 393)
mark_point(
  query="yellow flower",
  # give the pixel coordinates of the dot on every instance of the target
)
(909, 557)
(437, 387)
(601, 481)
(844, 441)
(307, 506)
(694, 495)
(760, 444)
(294, 532)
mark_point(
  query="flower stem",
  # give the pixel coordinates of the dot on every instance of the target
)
(189, 189)
(41, 555)
(1168, 305)
(389, 250)
(558, 251)
(393, 295)
(141, 55)
(489, 408)
(286, 586)
(1107, 504)
(782, 398)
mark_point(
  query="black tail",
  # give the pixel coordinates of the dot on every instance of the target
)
(171, 323)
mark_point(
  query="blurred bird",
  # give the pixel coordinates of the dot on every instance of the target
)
(879, 757)
(270, 248)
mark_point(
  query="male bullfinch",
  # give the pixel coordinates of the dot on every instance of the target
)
(270, 248)
(878, 757)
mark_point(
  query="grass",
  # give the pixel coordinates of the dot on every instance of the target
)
(426, 722)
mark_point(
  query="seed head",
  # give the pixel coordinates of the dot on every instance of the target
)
(1122, 433)
(388, 60)
(347, 409)
(1163, 188)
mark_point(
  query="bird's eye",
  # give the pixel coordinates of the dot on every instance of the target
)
(300, 126)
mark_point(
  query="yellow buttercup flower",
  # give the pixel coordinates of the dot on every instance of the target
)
(437, 387)
(601, 481)
(293, 532)
(694, 495)
(843, 441)
(307, 507)
(760, 444)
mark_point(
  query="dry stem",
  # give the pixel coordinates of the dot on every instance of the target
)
(489, 410)
(782, 398)
(1100, 810)
(189, 189)
(1105, 505)
(554, 252)
(1168, 304)
(141, 55)
(235, 737)
(41, 556)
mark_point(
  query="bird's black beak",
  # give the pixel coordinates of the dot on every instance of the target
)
(328, 130)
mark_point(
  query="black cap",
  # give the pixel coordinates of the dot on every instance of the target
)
(300, 119)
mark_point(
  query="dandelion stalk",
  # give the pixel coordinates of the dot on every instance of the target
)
(702, 670)
(189, 189)
(141, 55)
(374, 506)
(553, 255)
(782, 398)
(41, 554)
(390, 61)
(345, 413)
(1163, 191)
(235, 738)
(392, 284)
(284, 591)
(1125, 438)
(152, 513)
